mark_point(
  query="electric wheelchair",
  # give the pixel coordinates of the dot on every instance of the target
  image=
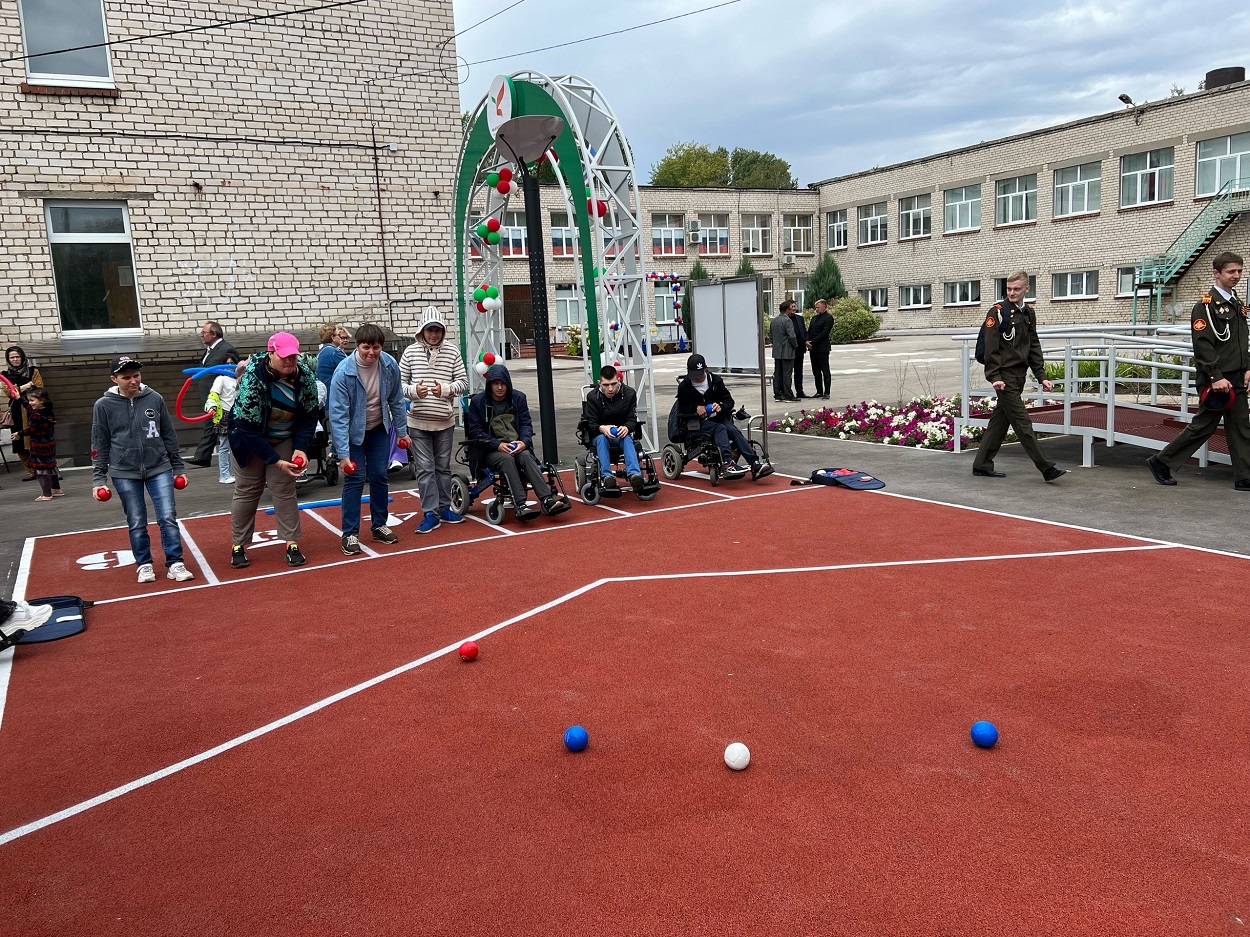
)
(467, 487)
(588, 474)
(689, 442)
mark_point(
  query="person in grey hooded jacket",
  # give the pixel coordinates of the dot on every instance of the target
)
(133, 440)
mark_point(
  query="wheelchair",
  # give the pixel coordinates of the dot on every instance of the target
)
(691, 443)
(587, 474)
(467, 487)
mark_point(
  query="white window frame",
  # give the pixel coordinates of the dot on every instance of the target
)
(796, 234)
(1135, 180)
(916, 296)
(1078, 185)
(757, 238)
(1015, 200)
(877, 297)
(714, 230)
(915, 217)
(513, 231)
(963, 204)
(1222, 163)
(563, 236)
(873, 223)
(1000, 290)
(1063, 286)
(119, 238)
(1125, 290)
(568, 307)
(796, 289)
(961, 293)
(36, 77)
(835, 230)
(668, 232)
(665, 296)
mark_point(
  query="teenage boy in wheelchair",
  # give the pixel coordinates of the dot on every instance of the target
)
(609, 427)
(703, 396)
(501, 438)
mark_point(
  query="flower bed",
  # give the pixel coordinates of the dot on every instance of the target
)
(923, 422)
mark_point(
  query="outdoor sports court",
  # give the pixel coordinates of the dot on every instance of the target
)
(272, 751)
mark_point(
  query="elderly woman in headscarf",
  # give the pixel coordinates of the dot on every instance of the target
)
(22, 375)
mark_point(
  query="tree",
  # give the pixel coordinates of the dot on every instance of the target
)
(697, 272)
(746, 268)
(751, 169)
(691, 165)
(825, 282)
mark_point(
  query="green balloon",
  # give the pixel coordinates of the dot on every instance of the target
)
(492, 179)
(479, 294)
(492, 292)
(482, 230)
(492, 237)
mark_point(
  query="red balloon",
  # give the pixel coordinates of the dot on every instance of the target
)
(492, 224)
(488, 359)
(505, 174)
(180, 482)
(602, 208)
(468, 651)
(481, 307)
(504, 187)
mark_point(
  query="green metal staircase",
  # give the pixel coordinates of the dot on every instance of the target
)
(1160, 271)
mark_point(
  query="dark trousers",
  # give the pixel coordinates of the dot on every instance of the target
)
(728, 437)
(798, 371)
(1205, 422)
(512, 467)
(820, 370)
(783, 372)
(1010, 412)
(208, 442)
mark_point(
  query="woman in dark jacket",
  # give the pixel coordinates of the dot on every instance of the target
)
(23, 375)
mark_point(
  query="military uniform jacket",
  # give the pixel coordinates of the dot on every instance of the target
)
(1217, 327)
(1011, 342)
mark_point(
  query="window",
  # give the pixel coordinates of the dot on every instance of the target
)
(1223, 160)
(1000, 290)
(1078, 189)
(796, 234)
(796, 289)
(563, 235)
(873, 223)
(714, 235)
(914, 216)
(668, 235)
(512, 236)
(835, 234)
(92, 265)
(766, 289)
(48, 25)
(568, 306)
(963, 208)
(757, 233)
(877, 298)
(1146, 178)
(665, 314)
(963, 292)
(1125, 280)
(1016, 199)
(909, 297)
(1081, 285)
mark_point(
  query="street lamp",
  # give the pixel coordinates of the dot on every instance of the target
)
(524, 139)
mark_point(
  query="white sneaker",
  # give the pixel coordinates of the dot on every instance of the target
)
(26, 618)
(178, 572)
(228, 480)
(146, 573)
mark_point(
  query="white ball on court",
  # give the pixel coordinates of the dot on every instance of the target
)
(737, 756)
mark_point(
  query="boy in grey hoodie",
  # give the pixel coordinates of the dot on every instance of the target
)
(133, 440)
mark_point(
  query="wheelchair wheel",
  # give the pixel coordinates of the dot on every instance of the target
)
(459, 495)
(670, 462)
(332, 474)
(648, 497)
(494, 511)
(713, 472)
(579, 472)
(590, 493)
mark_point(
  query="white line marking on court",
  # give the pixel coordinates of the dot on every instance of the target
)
(613, 510)
(338, 533)
(702, 491)
(83, 806)
(19, 594)
(498, 527)
(199, 557)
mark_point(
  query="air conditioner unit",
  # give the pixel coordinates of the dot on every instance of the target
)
(787, 260)
(693, 227)
(694, 236)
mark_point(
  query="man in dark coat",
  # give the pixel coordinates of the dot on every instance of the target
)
(216, 349)
(818, 343)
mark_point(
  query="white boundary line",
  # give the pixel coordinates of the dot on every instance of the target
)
(199, 556)
(339, 534)
(19, 593)
(483, 521)
(600, 504)
(83, 806)
(715, 494)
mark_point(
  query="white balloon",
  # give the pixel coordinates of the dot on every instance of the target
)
(481, 368)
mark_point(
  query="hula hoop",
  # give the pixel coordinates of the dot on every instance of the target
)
(13, 392)
(178, 406)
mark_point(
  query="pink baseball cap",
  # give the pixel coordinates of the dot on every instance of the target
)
(284, 344)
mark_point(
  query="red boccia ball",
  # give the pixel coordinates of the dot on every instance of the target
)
(348, 466)
(298, 461)
(180, 482)
(402, 442)
(103, 494)
(468, 651)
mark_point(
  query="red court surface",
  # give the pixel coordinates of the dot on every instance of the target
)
(302, 752)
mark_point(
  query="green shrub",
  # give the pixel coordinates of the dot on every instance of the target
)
(852, 321)
(574, 344)
(1129, 378)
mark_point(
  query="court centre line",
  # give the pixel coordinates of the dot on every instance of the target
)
(199, 557)
(83, 806)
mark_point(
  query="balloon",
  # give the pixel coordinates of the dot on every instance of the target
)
(492, 224)
(481, 368)
(482, 230)
(481, 307)
(488, 358)
(492, 179)
(479, 294)
(505, 174)
(492, 237)
(513, 187)
(492, 291)
(602, 208)
(503, 188)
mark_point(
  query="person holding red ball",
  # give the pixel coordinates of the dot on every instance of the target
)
(133, 441)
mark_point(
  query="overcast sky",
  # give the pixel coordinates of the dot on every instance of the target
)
(837, 87)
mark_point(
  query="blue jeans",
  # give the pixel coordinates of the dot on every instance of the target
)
(371, 458)
(161, 489)
(603, 447)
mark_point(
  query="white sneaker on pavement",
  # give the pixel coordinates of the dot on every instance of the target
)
(179, 572)
(26, 618)
(146, 573)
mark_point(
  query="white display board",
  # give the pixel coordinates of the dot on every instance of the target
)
(728, 325)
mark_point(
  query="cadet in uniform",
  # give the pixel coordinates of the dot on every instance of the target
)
(1012, 348)
(1221, 357)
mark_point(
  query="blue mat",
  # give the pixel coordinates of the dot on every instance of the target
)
(67, 619)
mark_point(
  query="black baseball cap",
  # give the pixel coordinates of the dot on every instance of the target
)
(696, 366)
(124, 363)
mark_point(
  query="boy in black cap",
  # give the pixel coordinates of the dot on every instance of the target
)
(704, 395)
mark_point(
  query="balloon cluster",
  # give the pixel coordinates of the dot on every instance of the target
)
(614, 325)
(675, 280)
(487, 298)
(656, 275)
(488, 231)
(484, 361)
(502, 181)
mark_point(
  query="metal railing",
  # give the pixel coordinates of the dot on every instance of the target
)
(514, 344)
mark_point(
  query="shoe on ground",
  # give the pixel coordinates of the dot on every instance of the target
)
(238, 558)
(990, 473)
(146, 573)
(351, 545)
(26, 618)
(1242, 484)
(44, 498)
(384, 534)
(733, 470)
(760, 469)
(636, 481)
(395, 466)
(58, 493)
(228, 480)
(448, 516)
(178, 572)
(526, 513)
(293, 556)
(800, 396)
(1053, 473)
(431, 521)
(554, 505)
(1162, 474)
(609, 483)
(201, 463)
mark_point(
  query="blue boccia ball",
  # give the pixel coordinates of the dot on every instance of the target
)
(984, 734)
(576, 739)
